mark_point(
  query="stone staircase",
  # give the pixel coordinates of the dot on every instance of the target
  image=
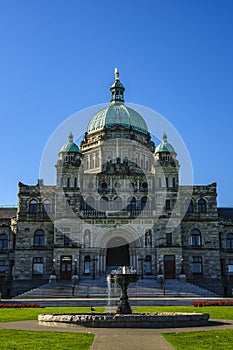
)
(89, 288)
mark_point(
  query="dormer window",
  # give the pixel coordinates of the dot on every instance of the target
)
(33, 206)
(202, 206)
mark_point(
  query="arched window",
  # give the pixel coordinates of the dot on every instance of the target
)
(229, 241)
(3, 242)
(143, 202)
(188, 207)
(195, 237)
(90, 203)
(39, 238)
(148, 238)
(131, 204)
(202, 206)
(33, 206)
(47, 206)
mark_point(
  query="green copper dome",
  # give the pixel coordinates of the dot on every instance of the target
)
(70, 146)
(164, 146)
(117, 113)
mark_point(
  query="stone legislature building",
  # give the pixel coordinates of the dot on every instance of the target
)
(111, 205)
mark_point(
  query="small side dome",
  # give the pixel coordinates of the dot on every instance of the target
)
(70, 146)
(165, 147)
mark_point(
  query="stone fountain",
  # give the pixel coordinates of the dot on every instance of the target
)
(124, 276)
(124, 318)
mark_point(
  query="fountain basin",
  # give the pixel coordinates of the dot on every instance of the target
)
(135, 320)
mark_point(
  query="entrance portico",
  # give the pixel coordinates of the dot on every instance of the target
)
(117, 252)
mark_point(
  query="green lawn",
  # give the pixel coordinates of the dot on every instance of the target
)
(206, 340)
(218, 312)
(29, 340)
(8, 315)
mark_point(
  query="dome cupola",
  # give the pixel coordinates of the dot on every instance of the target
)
(117, 114)
(70, 146)
(165, 147)
(117, 89)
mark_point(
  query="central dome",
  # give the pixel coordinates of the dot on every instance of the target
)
(117, 114)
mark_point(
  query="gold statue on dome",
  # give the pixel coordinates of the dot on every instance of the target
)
(116, 73)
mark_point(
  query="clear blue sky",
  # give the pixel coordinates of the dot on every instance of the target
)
(174, 56)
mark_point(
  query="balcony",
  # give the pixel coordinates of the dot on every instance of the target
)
(116, 214)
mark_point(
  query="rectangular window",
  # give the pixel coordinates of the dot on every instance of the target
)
(168, 238)
(68, 182)
(75, 182)
(197, 264)
(37, 266)
(168, 204)
(169, 182)
(230, 265)
(2, 266)
(173, 182)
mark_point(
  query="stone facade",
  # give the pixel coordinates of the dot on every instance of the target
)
(116, 201)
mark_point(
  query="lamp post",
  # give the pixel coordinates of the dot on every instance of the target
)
(53, 268)
(75, 277)
(93, 267)
(142, 267)
(182, 267)
(182, 276)
(75, 267)
(53, 276)
(160, 272)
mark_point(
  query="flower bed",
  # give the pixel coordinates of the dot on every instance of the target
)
(19, 305)
(212, 303)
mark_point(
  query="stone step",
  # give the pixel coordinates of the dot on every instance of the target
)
(88, 287)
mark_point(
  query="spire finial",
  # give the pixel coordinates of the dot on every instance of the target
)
(116, 74)
(71, 137)
(164, 137)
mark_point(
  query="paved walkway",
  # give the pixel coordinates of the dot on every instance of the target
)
(121, 339)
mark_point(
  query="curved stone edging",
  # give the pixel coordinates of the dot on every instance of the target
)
(136, 320)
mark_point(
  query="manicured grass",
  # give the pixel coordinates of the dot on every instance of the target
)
(30, 340)
(9, 315)
(206, 340)
(218, 312)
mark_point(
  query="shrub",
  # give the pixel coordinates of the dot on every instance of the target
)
(19, 305)
(212, 303)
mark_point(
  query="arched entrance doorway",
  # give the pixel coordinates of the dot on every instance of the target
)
(117, 252)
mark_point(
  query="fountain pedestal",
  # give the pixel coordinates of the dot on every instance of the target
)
(124, 280)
